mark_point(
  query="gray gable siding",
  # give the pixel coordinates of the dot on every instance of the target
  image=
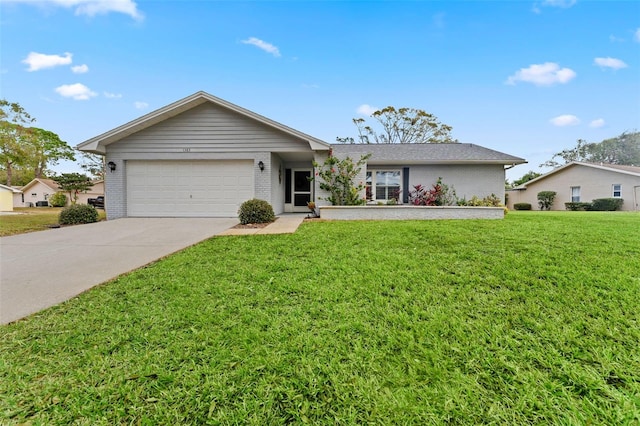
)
(208, 128)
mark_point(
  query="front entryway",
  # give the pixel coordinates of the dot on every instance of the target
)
(302, 189)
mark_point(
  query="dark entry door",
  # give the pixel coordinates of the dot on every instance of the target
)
(302, 190)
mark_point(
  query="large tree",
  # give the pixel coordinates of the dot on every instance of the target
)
(13, 134)
(402, 125)
(623, 149)
(46, 148)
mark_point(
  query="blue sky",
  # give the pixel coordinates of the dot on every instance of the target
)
(527, 78)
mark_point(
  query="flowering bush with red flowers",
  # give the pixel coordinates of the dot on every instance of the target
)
(439, 195)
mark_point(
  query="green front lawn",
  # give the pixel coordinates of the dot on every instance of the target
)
(31, 219)
(531, 320)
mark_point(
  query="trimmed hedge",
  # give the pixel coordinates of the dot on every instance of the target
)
(256, 211)
(77, 214)
(577, 206)
(606, 204)
(522, 206)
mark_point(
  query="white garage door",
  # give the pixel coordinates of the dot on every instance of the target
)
(188, 188)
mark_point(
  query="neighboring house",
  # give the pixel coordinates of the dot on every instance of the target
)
(95, 191)
(6, 198)
(204, 156)
(38, 190)
(582, 182)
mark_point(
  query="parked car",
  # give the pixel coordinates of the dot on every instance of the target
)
(97, 202)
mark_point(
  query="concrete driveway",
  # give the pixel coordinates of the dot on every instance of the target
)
(42, 269)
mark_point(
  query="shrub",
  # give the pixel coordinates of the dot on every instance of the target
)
(576, 206)
(522, 206)
(58, 200)
(488, 201)
(545, 199)
(337, 178)
(606, 204)
(439, 195)
(78, 213)
(256, 211)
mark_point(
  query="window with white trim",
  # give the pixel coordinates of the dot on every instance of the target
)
(575, 194)
(617, 190)
(384, 185)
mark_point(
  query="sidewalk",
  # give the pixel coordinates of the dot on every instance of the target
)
(285, 224)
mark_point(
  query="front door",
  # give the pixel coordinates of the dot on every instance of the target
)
(302, 190)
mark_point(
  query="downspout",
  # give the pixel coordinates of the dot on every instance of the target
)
(635, 197)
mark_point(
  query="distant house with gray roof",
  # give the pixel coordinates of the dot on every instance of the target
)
(204, 156)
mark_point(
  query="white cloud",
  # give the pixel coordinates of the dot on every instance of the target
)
(612, 63)
(77, 91)
(597, 123)
(39, 61)
(260, 44)
(110, 95)
(91, 7)
(565, 4)
(565, 120)
(140, 105)
(365, 109)
(636, 35)
(615, 39)
(546, 74)
(80, 69)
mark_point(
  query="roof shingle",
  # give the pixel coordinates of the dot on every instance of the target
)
(427, 153)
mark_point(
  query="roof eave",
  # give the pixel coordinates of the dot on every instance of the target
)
(414, 161)
(577, 163)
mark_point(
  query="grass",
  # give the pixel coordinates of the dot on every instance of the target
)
(32, 220)
(530, 320)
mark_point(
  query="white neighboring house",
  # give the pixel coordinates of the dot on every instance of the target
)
(582, 182)
(96, 190)
(40, 189)
(6, 197)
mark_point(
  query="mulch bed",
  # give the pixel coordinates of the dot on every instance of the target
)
(253, 225)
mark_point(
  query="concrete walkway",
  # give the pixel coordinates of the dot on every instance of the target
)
(285, 224)
(42, 269)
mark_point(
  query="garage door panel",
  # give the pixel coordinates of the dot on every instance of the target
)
(188, 188)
